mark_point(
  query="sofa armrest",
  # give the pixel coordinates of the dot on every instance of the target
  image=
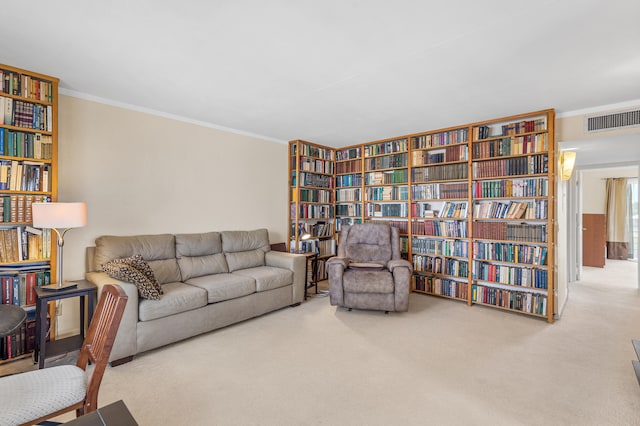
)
(126, 343)
(296, 263)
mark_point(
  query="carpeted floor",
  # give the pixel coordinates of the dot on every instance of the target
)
(441, 363)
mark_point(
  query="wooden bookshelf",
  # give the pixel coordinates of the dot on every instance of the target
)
(311, 200)
(440, 213)
(28, 174)
(513, 212)
(475, 206)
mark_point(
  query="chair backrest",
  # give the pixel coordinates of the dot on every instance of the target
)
(369, 242)
(99, 339)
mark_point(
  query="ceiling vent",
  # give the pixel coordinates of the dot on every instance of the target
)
(618, 120)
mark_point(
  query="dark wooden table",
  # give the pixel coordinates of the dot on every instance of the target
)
(115, 414)
(45, 350)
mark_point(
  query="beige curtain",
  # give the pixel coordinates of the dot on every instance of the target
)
(617, 229)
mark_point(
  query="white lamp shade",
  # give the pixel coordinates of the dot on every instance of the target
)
(59, 215)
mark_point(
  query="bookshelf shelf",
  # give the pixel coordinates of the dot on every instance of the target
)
(476, 193)
(28, 174)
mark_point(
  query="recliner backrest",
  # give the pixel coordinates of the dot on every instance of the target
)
(369, 242)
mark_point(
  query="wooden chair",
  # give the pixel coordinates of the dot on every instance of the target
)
(32, 397)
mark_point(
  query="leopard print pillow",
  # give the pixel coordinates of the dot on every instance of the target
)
(136, 271)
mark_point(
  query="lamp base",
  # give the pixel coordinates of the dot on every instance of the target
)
(65, 285)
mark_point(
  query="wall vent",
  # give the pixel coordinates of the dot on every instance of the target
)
(618, 120)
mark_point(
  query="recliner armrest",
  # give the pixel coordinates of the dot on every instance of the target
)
(344, 261)
(399, 263)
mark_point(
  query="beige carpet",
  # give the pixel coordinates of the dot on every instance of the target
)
(442, 363)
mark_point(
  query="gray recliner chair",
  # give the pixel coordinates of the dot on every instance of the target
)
(368, 272)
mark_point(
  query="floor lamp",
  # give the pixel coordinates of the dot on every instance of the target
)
(59, 217)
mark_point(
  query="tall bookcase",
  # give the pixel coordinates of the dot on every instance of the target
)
(440, 213)
(475, 206)
(28, 174)
(311, 200)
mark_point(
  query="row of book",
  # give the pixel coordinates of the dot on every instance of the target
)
(386, 209)
(313, 195)
(399, 145)
(16, 208)
(434, 191)
(454, 210)
(315, 229)
(313, 151)
(511, 275)
(386, 161)
(441, 172)
(532, 209)
(440, 139)
(341, 222)
(441, 286)
(313, 211)
(14, 143)
(386, 193)
(348, 194)
(15, 83)
(441, 265)
(347, 154)
(525, 232)
(19, 288)
(402, 225)
(446, 155)
(450, 247)
(386, 177)
(312, 179)
(517, 145)
(534, 164)
(509, 129)
(24, 243)
(351, 166)
(440, 228)
(315, 165)
(25, 176)
(26, 114)
(509, 252)
(533, 303)
(349, 180)
(324, 248)
(524, 187)
(350, 209)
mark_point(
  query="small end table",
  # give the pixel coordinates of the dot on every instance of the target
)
(312, 257)
(60, 346)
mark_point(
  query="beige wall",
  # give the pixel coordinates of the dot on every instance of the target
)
(594, 188)
(141, 173)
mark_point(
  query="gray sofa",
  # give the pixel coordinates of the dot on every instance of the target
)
(209, 280)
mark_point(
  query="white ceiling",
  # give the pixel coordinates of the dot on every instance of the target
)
(336, 72)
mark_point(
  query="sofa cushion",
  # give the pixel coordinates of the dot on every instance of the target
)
(245, 249)
(159, 251)
(136, 271)
(178, 297)
(364, 281)
(200, 254)
(222, 287)
(267, 277)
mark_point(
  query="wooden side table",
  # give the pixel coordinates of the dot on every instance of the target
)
(312, 257)
(45, 350)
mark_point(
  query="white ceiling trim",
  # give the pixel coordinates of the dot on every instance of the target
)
(150, 111)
